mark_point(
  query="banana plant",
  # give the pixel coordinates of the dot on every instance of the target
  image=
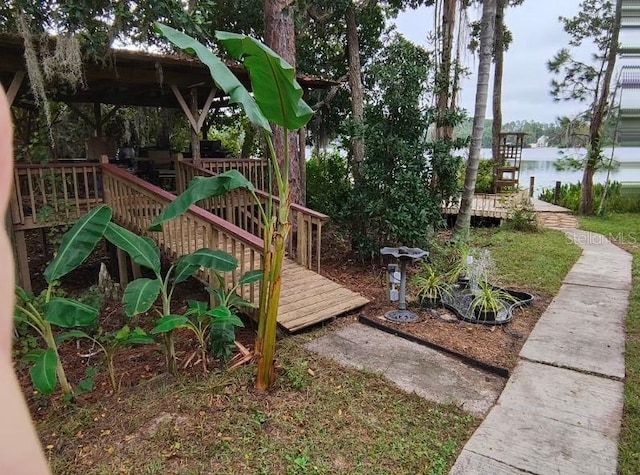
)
(276, 98)
(140, 294)
(52, 310)
(110, 344)
(200, 321)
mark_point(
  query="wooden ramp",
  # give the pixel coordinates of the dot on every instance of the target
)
(306, 297)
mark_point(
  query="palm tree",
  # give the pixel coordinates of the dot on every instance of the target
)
(482, 91)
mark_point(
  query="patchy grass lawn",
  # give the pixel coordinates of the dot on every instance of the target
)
(320, 418)
(625, 230)
(534, 261)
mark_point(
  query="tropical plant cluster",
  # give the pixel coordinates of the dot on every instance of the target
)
(52, 318)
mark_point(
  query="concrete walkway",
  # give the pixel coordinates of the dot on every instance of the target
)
(560, 411)
(414, 368)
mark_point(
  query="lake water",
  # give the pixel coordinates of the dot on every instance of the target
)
(539, 163)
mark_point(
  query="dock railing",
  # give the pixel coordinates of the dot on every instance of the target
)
(54, 193)
(239, 208)
(136, 203)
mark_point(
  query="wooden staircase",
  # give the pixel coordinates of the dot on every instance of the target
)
(228, 223)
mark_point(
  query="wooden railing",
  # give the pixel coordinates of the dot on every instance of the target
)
(239, 208)
(135, 205)
(488, 205)
(54, 194)
(255, 170)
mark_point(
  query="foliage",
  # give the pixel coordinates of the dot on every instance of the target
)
(393, 203)
(430, 286)
(328, 184)
(484, 181)
(140, 294)
(49, 309)
(617, 200)
(521, 216)
(110, 344)
(489, 299)
(277, 97)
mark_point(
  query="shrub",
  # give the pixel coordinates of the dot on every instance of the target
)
(617, 200)
(521, 216)
(328, 184)
(392, 202)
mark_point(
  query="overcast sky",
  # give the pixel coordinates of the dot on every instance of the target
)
(537, 36)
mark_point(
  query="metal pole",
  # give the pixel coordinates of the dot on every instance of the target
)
(402, 304)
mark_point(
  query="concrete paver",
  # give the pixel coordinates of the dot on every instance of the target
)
(412, 367)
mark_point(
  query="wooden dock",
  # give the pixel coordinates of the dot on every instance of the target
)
(498, 206)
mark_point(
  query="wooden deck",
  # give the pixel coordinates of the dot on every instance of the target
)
(498, 206)
(307, 298)
(51, 195)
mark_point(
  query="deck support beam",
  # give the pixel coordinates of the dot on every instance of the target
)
(195, 118)
(14, 87)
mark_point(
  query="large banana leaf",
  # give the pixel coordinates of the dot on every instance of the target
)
(43, 372)
(210, 258)
(220, 73)
(140, 295)
(215, 259)
(142, 250)
(78, 242)
(199, 189)
(69, 313)
(169, 322)
(273, 80)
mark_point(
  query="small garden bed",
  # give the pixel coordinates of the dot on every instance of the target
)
(531, 262)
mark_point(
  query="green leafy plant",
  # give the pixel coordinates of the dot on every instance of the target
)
(51, 310)
(430, 286)
(521, 216)
(140, 294)
(276, 97)
(222, 332)
(110, 344)
(489, 300)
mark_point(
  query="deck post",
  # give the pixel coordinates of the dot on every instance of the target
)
(556, 192)
(122, 268)
(532, 184)
(22, 260)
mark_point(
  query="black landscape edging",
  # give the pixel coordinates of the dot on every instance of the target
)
(497, 370)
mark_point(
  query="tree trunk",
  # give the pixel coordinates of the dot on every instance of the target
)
(463, 221)
(598, 113)
(498, 58)
(443, 82)
(279, 35)
(355, 84)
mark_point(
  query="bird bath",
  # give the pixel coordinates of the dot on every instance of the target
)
(404, 255)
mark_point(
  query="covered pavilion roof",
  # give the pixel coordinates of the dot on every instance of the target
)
(128, 77)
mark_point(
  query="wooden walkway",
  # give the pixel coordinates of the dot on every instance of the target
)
(51, 195)
(307, 298)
